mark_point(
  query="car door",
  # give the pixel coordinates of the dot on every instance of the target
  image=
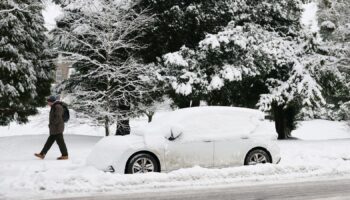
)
(185, 154)
(230, 152)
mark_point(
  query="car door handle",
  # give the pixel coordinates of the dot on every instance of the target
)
(207, 141)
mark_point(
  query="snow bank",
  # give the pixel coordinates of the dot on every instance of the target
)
(322, 130)
(28, 178)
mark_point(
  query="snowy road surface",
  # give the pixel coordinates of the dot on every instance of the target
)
(338, 189)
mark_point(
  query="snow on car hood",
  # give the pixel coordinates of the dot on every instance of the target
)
(110, 148)
(203, 123)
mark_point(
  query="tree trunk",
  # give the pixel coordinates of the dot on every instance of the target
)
(123, 127)
(281, 122)
(186, 102)
(107, 126)
(183, 104)
(195, 103)
(150, 116)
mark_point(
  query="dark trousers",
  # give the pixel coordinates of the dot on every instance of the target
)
(59, 140)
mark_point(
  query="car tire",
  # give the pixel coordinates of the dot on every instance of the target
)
(257, 156)
(142, 163)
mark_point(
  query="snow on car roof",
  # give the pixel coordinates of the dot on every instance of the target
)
(206, 122)
(221, 112)
(216, 109)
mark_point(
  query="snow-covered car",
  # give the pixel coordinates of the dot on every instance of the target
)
(210, 137)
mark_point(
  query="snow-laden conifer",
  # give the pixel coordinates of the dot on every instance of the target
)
(24, 60)
(334, 22)
(267, 62)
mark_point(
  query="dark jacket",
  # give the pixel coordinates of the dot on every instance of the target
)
(56, 123)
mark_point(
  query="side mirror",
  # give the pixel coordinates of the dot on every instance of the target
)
(175, 133)
(244, 137)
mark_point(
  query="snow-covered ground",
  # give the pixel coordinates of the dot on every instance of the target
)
(321, 150)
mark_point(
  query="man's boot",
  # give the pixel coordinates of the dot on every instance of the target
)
(62, 158)
(39, 155)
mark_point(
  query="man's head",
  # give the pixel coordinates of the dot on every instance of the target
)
(51, 100)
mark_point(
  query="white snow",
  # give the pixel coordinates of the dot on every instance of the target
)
(326, 130)
(39, 125)
(50, 13)
(328, 25)
(309, 16)
(231, 73)
(175, 59)
(112, 148)
(81, 29)
(182, 88)
(320, 151)
(211, 41)
(206, 123)
(216, 83)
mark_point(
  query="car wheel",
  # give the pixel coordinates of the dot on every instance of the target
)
(142, 163)
(257, 156)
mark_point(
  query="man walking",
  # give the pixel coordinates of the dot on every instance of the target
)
(56, 126)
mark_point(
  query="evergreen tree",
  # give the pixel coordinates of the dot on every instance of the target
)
(109, 82)
(334, 22)
(260, 59)
(25, 70)
(178, 23)
(183, 22)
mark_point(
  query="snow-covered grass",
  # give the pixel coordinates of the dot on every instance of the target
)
(320, 151)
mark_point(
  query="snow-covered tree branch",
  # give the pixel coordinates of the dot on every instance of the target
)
(100, 38)
(334, 23)
(11, 6)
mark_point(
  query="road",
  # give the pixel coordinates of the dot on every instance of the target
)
(312, 190)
